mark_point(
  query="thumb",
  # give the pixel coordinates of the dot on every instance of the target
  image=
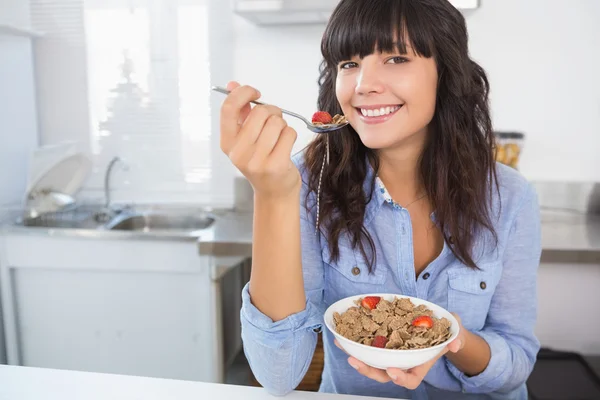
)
(455, 346)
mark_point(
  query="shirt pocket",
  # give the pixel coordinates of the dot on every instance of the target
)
(349, 275)
(470, 293)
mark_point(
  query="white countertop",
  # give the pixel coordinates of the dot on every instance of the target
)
(24, 383)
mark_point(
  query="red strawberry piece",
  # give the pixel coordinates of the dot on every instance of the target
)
(379, 341)
(423, 321)
(370, 302)
(323, 117)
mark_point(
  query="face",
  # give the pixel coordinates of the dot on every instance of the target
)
(388, 98)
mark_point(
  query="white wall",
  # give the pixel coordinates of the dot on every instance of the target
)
(542, 58)
(282, 62)
(18, 121)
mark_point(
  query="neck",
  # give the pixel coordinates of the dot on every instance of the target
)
(399, 170)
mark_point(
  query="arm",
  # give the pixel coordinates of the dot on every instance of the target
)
(509, 329)
(280, 352)
(280, 304)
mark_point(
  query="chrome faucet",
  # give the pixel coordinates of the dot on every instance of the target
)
(107, 175)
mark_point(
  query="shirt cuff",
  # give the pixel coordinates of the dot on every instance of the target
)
(307, 319)
(494, 375)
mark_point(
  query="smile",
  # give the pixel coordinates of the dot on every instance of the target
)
(377, 114)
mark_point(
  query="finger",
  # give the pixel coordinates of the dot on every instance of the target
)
(246, 109)
(457, 318)
(413, 377)
(455, 346)
(285, 144)
(409, 380)
(232, 85)
(254, 126)
(231, 111)
(269, 137)
(378, 375)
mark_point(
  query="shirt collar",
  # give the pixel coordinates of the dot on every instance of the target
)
(377, 198)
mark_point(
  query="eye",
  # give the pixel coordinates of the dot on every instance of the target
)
(348, 65)
(397, 60)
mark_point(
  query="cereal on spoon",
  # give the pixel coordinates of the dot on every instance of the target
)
(323, 118)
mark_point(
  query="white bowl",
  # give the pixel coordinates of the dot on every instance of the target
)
(388, 358)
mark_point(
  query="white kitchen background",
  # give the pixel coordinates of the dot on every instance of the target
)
(131, 78)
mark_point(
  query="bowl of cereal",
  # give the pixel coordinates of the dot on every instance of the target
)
(391, 330)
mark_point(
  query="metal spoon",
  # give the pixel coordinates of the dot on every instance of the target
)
(309, 125)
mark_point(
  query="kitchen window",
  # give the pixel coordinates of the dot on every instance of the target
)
(131, 78)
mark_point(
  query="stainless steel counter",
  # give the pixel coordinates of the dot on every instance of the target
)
(566, 237)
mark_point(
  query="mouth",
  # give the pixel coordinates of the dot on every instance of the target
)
(377, 114)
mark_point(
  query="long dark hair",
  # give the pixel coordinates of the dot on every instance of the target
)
(457, 165)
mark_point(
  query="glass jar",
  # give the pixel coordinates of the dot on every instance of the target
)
(508, 148)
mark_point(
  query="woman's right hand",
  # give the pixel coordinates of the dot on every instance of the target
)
(259, 143)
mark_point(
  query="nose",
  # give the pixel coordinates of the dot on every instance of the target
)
(368, 80)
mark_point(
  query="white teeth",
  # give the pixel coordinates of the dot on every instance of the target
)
(379, 112)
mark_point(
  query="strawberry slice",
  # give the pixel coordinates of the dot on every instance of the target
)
(370, 302)
(379, 341)
(323, 117)
(423, 321)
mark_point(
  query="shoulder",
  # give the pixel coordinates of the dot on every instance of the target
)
(515, 198)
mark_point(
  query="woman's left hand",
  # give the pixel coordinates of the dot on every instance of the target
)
(410, 378)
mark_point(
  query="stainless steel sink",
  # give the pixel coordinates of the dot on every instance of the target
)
(147, 220)
(75, 218)
(161, 222)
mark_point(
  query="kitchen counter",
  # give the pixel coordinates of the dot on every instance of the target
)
(566, 236)
(22, 383)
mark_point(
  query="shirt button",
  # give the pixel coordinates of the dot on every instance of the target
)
(355, 271)
(451, 240)
(483, 285)
(426, 276)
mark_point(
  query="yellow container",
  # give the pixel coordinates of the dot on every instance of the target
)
(508, 148)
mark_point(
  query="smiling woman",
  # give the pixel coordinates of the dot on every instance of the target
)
(411, 203)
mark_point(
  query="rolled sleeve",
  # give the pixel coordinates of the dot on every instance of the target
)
(496, 371)
(258, 324)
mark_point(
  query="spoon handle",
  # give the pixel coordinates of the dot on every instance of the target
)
(293, 114)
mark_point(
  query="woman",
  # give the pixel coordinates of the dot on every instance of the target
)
(410, 202)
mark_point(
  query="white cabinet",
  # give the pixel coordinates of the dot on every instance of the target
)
(134, 307)
(567, 292)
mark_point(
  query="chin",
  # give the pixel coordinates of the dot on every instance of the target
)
(379, 141)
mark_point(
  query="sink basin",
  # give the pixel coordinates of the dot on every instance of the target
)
(77, 218)
(176, 223)
(168, 222)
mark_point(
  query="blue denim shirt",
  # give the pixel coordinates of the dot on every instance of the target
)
(502, 311)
